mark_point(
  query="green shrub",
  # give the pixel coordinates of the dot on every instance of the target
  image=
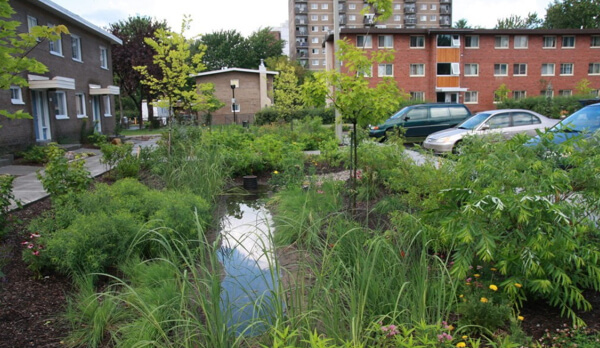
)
(35, 154)
(6, 199)
(61, 176)
(551, 107)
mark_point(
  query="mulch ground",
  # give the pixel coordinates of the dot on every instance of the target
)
(31, 308)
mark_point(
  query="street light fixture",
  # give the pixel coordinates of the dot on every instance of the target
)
(234, 84)
(549, 90)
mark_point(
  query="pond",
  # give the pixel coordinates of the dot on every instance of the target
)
(249, 287)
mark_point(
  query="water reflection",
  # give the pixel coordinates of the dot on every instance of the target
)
(247, 256)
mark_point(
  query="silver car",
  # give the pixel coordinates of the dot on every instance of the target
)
(507, 122)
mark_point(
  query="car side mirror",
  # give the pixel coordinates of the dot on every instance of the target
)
(485, 127)
(406, 118)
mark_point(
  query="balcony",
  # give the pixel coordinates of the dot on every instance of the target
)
(301, 20)
(410, 9)
(445, 1)
(301, 44)
(445, 21)
(297, 1)
(410, 20)
(343, 20)
(299, 9)
(303, 32)
(342, 8)
(302, 53)
(445, 9)
(410, 1)
(369, 19)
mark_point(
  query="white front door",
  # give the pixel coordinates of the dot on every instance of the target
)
(41, 116)
(96, 114)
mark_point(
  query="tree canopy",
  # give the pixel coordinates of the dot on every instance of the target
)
(532, 21)
(573, 14)
(135, 52)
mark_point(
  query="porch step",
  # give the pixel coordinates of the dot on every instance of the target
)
(6, 160)
(70, 147)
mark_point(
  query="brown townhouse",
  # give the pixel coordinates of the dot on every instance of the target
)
(77, 92)
(469, 65)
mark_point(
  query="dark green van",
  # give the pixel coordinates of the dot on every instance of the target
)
(423, 119)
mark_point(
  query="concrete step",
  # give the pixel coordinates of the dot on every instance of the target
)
(70, 147)
(6, 160)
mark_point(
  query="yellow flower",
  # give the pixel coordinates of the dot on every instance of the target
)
(493, 287)
(461, 295)
(476, 275)
(461, 345)
(518, 285)
(484, 300)
(275, 172)
(493, 269)
(520, 317)
(465, 337)
(450, 327)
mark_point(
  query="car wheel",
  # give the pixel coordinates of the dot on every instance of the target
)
(457, 148)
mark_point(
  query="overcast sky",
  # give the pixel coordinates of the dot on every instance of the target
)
(246, 16)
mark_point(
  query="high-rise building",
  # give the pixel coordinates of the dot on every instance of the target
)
(312, 20)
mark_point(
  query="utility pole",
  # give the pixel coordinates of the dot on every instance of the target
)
(336, 38)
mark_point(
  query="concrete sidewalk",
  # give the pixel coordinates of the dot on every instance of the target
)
(28, 189)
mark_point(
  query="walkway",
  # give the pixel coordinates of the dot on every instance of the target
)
(28, 189)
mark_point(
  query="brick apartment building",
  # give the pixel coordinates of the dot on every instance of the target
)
(253, 91)
(75, 95)
(469, 65)
(311, 21)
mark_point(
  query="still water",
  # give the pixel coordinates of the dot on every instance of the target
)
(251, 279)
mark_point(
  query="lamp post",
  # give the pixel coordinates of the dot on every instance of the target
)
(549, 90)
(234, 84)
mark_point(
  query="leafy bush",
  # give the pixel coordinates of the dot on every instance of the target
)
(61, 176)
(6, 199)
(551, 107)
(35, 154)
(271, 115)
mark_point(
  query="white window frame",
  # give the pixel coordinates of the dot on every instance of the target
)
(504, 42)
(417, 95)
(324, 17)
(595, 41)
(468, 72)
(397, 18)
(352, 18)
(455, 69)
(382, 70)
(59, 103)
(563, 66)
(548, 65)
(568, 37)
(16, 95)
(553, 38)
(237, 107)
(517, 95)
(104, 57)
(315, 51)
(31, 22)
(419, 38)
(521, 42)
(423, 7)
(500, 65)
(594, 69)
(80, 107)
(367, 73)
(397, 7)
(388, 41)
(315, 40)
(433, 7)
(56, 45)
(471, 97)
(314, 6)
(314, 28)
(314, 17)
(432, 18)
(418, 67)
(367, 41)
(324, 6)
(472, 36)
(315, 62)
(423, 18)
(107, 105)
(565, 93)
(352, 6)
(76, 48)
(519, 74)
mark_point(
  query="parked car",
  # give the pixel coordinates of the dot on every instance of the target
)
(585, 122)
(507, 122)
(422, 119)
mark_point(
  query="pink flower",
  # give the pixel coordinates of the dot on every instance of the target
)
(34, 235)
(24, 243)
(30, 246)
(320, 191)
(36, 253)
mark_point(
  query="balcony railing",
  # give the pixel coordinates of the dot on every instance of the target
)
(445, 21)
(301, 32)
(410, 9)
(445, 1)
(445, 9)
(301, 9)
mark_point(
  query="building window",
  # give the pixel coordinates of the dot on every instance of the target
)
(324, 17)
(16, 95)
(314, 6)
(315, 51)
(107, 108)
(367, 72)
(352, 6)
(448, 69)
(521, 41)
(547, 93)
(397, 7)
(472, 41)
(31, 22)
(397, 18)
(352, 18)
(417, 41)
(565, 93)
(385, 70)
(423, 18)
(549, 42)
(595, 41)
(56, 46)
(423, 7)
(417, 70)
(76, 47)
(386, 41)
(315, 40)
(568, 42)
(80, 105)
(417, 96)
(471, 69)
(326, 28)
(446, 40)
(500, 69)
(364, 41)
(314, 28)
(433, 18)
(501, 41)
(471, 97)
(235, 107)
(594, 69)
(314, 17)
(60, 105)
(596, 93)
(103, 57)
(548, 69)
(324, 6)
(519, 95)
(566, 68)
(520, 69)
(433, 7)
(315, 62)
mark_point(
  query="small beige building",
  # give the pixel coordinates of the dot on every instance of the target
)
(244, 92)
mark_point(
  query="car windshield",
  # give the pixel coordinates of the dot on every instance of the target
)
(399, 113)
(474, 121)
(584, 120)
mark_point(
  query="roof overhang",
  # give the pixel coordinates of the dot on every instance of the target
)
(230, 70)
(451, 89)
(98, 90)
(57, 82)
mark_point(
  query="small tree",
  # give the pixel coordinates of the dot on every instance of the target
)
(502, 93)
(14, 49)
(287, 92)
(583, 87)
